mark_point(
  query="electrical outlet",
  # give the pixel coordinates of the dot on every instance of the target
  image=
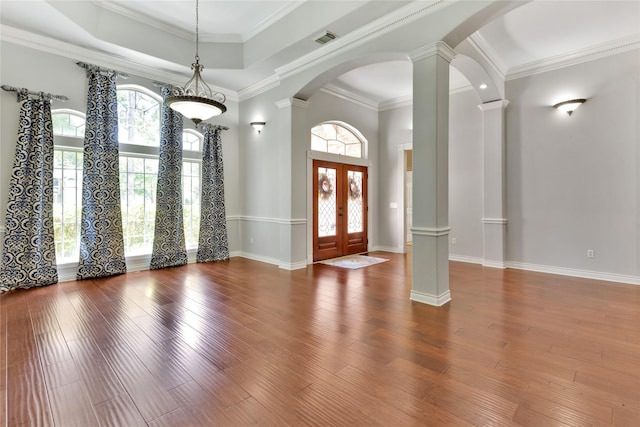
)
(591, 253)
(251, 240)
(454, 240)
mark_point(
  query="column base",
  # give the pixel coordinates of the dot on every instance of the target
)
(435, 300)
(494, 246)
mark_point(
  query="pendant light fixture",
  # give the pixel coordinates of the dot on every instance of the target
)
(196, 100)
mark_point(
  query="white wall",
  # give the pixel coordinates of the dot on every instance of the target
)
(262, 158)
(259, 184)
(395, 131)
(572, 182)
(465, 175)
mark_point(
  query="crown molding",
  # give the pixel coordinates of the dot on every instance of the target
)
(91, 56)
(407, 101)
(383, 25)
(163, 26)
(461, 89)
(402, 101)
(143, 19)
(439, 48)
(341, 93)
(272, 19)
(575, 57)
(257, 88)
(292, 102)
(485, 50)
(493, 105)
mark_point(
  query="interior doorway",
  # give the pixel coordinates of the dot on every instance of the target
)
(408, 195)
(339, 209)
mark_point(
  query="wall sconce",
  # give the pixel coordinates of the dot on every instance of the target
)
(569, 106)
(258, 126)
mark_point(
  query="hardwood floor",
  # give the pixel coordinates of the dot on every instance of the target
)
(242, 343)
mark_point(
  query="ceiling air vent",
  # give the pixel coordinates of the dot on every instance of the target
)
(326, 37)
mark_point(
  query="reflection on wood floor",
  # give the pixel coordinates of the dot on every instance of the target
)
(243, 343)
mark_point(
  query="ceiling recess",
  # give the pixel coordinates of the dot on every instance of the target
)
(326, 37)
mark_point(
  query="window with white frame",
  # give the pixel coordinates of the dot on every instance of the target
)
(335, 138)
(139, 139)
(68, 130)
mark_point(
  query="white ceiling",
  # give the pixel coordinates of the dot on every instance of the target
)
(273, 33)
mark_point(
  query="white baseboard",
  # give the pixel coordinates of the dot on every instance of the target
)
(585, 274)
(259, 258)
(392, 249)
(293, 265)
(494, 264)
(463, 258)
(67, 272)
(435, 300)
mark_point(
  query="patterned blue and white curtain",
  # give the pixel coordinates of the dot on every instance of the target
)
(169, 247)
(29, 255)
(101, 241)
(213, 244)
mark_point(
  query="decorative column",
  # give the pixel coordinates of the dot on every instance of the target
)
(291, 184)
(494, 223)
(430, 265)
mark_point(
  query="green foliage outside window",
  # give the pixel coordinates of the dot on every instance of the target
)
(139, 124)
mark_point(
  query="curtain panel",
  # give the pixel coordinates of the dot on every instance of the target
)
(101, 240)
(29, 255)
(169, 249)
(213, 244)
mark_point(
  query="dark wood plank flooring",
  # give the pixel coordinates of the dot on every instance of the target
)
(242, 343)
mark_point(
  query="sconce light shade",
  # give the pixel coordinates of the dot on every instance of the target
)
(258, 126)
(569, 106)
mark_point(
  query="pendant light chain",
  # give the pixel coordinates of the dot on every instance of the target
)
(196, 100)
(197, 31)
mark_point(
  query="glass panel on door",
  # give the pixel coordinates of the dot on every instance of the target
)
(327, 215)
(354, 204)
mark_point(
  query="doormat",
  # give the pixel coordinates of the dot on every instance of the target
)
(354, 262)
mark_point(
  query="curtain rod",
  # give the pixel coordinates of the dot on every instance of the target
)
(103, 70)
(213, 126)
(28, 92)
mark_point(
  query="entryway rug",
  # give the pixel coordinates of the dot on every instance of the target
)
(354, 261)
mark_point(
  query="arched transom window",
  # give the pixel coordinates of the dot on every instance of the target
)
(335, 138)
(68, 123)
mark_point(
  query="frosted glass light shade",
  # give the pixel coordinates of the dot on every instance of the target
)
(569, 106)
(195, 108)
(258, 126)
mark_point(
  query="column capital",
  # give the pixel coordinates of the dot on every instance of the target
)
(493, 105)
(288, 102)
(439, 48)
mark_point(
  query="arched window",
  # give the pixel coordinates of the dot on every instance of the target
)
(191, 140)
(139, 138)
(68, 123)
(138, 116)
(337, 138)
